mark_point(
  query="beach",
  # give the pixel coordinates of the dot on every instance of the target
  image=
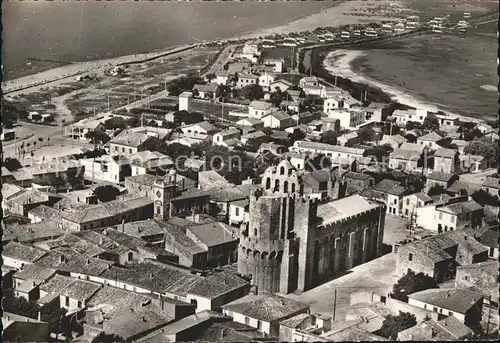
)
(339, 62)
(338, 14)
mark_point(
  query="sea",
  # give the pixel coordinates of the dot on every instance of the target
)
(458, 74)
(90, 30)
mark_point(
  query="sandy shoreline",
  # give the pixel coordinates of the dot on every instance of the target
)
(338, 62)
(332, 16)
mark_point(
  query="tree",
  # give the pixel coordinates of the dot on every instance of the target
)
(379, 151)
(210, 76)
(188, 118)
(104, 337)
(436, 190)
(297, 135)
(12, 164)
(252, 92)
(182, 84)
(411, 283)
(115, 123)
(366, 134)
(277, 97)
(431, 122)
(19, 305)
(392, 325)
(106, 193)
(485, 148)
(484, 198)
(412, 125)
(59, 183)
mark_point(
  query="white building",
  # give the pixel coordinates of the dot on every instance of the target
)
(259, 109)
(276, 63)
(185, 99)
(333, 103)
(251, 52)
(265, 81)
(222, 77)
(349, 119)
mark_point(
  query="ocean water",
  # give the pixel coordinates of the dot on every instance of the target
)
(459, 74)
(79, 31)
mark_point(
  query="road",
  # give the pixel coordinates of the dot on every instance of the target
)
(221, 59)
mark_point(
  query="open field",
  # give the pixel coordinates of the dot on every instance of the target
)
(376, 276)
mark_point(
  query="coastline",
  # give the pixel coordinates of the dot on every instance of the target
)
(334, 14)
(339, 62)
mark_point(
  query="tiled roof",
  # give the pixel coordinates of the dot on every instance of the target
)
(227, 193)
(261, 105)
(356, 176)
(34, 272)
(36, 231)
(328, 147)
(456, 300)
(343, 208)
(491, 182)
(142, 228)
(105, 210)
(405, 154)
(439, 176)
(280, 115)
(211, 87)
(215, 285)
(102, 241)
(265, 307)
(44, 212)
(65, 259)
(212, 234)
(30, 196)
(443, 152)
(461, 207)
(159, 278)
(390, 187)
(150, 159)
(431, 137)
(132, 139)
(394, 138)
(9, 189)
(80, 289)
(22, 252)
(191, 194)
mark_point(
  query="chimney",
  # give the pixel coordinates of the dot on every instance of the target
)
(465, 237)
(101, 242)
(151, 275)
(33, 283)
(222, 334)
(62, 259)
(428, 249)
(447, 295)
(88, 261)
(40, 316)
(123, 225)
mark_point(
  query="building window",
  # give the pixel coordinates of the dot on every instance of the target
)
(67, 302)
(158, 210)
(450, 313)
(259, 325)
(79, 304)
(255, 231)
(410, 257)
(123, 149)
(406, 211)
(237, 211)
(395, 201)
(407, 201)
(466, 278)
(247, 321)
(435, 309)
(440, 215)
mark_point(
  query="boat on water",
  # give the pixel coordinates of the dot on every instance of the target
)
(413, 18)
(357, 32)
(467, 15)
(437, 29)
(371, 34)
(387, 28)
(289, 42)
(411, 25)
(399, 27)
(345, 35)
